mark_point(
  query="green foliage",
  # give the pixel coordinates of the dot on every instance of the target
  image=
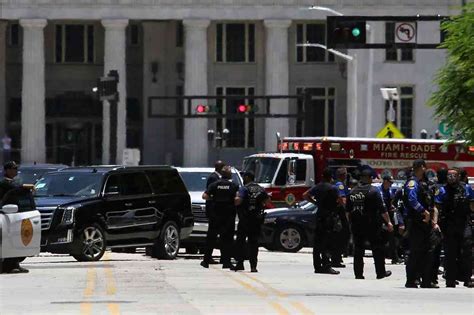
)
(454, 100)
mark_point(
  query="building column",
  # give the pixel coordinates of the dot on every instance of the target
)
(276, 79)
(33, 121)
(115, 59)
(3, 97)
(196, 147)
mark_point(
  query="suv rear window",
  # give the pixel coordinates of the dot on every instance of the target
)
(135, 184)
(166, 182)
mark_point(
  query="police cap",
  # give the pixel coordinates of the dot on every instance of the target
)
(10, 165)
(366, 173)
(388, 178)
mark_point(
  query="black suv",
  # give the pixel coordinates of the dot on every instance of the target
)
(85, 210)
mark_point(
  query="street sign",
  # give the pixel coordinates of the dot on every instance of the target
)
(405, 32)
(390, 131)
(444, 129)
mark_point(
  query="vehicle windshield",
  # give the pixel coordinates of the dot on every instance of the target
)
(306, 205)
(31, 175)
(69, 184)
(264, 168)
(196, 181)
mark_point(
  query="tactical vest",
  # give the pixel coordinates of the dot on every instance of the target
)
(254, 201)
(456, 207)
(358, 198)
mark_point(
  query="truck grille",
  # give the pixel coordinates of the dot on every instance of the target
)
(199, 213)
(47, 214)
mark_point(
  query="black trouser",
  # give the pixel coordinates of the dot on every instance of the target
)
(340, 239)
(374, 237)
(458, 253)
(420, 258)
(321, 247)
(224, 226)
(437, 246)
(248, 228)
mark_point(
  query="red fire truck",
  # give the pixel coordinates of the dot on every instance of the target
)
(300, 161)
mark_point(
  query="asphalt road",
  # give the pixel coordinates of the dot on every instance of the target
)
(136, 284)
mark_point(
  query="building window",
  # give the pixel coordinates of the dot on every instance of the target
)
(320, 116)
(235, 42)
(179, 111)
(74, 43)
(313, 33)
(242, 130)
(134, 35)
(394, 54)
(14, 35)
(179, 34)
(404, 112)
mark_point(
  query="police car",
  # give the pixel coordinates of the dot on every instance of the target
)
(20, 228)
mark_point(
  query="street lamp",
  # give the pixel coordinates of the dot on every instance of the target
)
(353, 108)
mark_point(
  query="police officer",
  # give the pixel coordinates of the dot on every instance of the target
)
(250, 202)
(454, 203)
(421, 224)
(212, 228)
(325, 196)
(388, 197)
(223, 193)
(340, 237)
(10, 171)
(367, 214)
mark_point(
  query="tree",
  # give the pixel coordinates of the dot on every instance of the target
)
(454, 99)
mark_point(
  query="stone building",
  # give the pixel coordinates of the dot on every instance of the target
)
(53, 51)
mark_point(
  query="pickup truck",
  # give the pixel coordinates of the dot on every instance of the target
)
(20, 227)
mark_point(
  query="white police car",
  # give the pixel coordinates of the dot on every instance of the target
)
(20, 229)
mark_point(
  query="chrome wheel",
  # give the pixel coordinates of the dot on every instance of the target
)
(93, 243)
(171, 241)
(290, 238)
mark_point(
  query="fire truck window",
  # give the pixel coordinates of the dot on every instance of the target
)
(281, 177)
(301, 170)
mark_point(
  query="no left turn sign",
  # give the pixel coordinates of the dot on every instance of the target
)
(405, 32)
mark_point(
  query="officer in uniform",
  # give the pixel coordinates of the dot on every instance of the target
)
(7, 184)
(223, 193)
(366, 210)
(454, 203)
(325, 196)
(388, 197)
(341, 237)
(212, 228)
(422, 220)
(250, 202)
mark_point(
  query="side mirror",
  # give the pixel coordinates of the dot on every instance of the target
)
(9, 209)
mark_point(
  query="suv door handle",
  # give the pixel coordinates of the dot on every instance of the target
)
(151, 202)
(129, 204)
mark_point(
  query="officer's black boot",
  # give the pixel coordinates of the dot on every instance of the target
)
(239, 266)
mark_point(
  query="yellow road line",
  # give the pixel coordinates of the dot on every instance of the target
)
(114, 308)
(303, 309)
(250, 287)
(267, 286)
(280, 309)
(110, 287)
(86, 307)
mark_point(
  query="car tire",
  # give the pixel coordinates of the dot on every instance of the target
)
(149, 251)
(289, 238)
(93, 243)
(167, 244)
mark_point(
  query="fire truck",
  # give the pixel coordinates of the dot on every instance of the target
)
(299, 162)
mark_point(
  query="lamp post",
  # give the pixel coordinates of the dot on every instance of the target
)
(352, 109)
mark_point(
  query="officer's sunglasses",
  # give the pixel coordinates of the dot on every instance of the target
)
(452, 176)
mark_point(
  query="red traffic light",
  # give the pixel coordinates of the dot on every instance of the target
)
(243, 108)
(202, 109)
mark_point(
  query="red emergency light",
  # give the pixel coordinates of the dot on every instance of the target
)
(202, 109)
(243, 108)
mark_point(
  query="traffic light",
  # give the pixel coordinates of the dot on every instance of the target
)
(201, 109)
(349, 33)
(246, 108)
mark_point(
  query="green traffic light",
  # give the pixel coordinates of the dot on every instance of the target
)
(356, 32)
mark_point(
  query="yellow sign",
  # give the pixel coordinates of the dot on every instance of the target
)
(390, 131)
(26, 232)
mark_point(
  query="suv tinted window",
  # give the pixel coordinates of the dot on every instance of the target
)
(166, 182)
(113, 184)
(135, 184)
